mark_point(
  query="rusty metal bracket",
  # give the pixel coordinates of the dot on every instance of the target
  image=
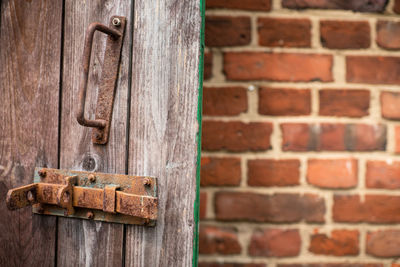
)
(98, 196)
(108, 81)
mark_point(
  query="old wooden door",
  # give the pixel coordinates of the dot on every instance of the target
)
(155, 126)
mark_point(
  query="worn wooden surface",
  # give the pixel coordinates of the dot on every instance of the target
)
(163, 127)
(30, 49)
(84, 242)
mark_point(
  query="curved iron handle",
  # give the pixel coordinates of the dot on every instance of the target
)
(80, 115)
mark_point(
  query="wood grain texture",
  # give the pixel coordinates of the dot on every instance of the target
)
(163, 127)
(30, 47)
(84, 242)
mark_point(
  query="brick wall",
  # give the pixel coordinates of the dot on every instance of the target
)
(301, 134)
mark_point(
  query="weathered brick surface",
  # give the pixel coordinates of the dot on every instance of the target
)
(283, 32)
(340, 243)
(227, 31)
(374, 209)
(203, 205)
(208, 61)
(338, 264)
(385, 243)
(387, 34)
(278, 66)
(345, 34)
(301, 133)
(220, 171)
(216, 240)
(332, 173)
(275, 243)
(373, 69)
(224, 101)
(269, 172)
(216, 264)
(383, 174)
(284, 102)
(355, 5)
(256, 5)
(333, 137)
(390, 102)
(234, 206)
(236, 136)
(348, 103)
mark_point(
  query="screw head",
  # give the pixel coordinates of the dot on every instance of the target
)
(30, 196)
(90, 215)
(116, 22)
(92, 178)
(98, 135)
(147, 182)
(42, 173)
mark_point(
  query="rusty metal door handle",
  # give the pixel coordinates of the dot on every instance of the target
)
(108, 80)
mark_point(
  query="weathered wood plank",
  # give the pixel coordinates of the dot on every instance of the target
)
(163, 127)
(30, 47)
(83, 242)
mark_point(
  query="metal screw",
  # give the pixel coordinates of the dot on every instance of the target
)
(92, 178)
(30, 196)
(116, 22)
(98, 136)
(90, 215)
(42, 173)
(147, 182)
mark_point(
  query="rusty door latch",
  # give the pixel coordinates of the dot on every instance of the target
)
(98, 196)
(109, 74)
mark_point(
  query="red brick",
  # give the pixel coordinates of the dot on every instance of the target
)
(341, 243)
(390, 102)
(224, 101)
(297, 137)
(375, 209)
(333, 137)
(383, 174)
(367, 137)
(397, 138)
(355, 5)
(332, 173)
(345, 34)
(282, 32)
(385, 243)
(278, 208)
(269, 172)
(275, 243)
(373, 69)
(387, 34)
(216, 264)
(236, 136)
(284, 102)
(247, 66)
(256, 5)
(332, 265)
(349, 103)
(203, 205)
(396, 7)
(215, 240)
(220, 171)
(208, 61)
(227, 31)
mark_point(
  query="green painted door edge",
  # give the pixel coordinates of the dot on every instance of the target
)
(198, 137)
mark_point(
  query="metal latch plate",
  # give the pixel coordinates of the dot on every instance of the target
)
(132, 195)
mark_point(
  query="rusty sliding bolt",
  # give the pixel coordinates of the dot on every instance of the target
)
(68, 196)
